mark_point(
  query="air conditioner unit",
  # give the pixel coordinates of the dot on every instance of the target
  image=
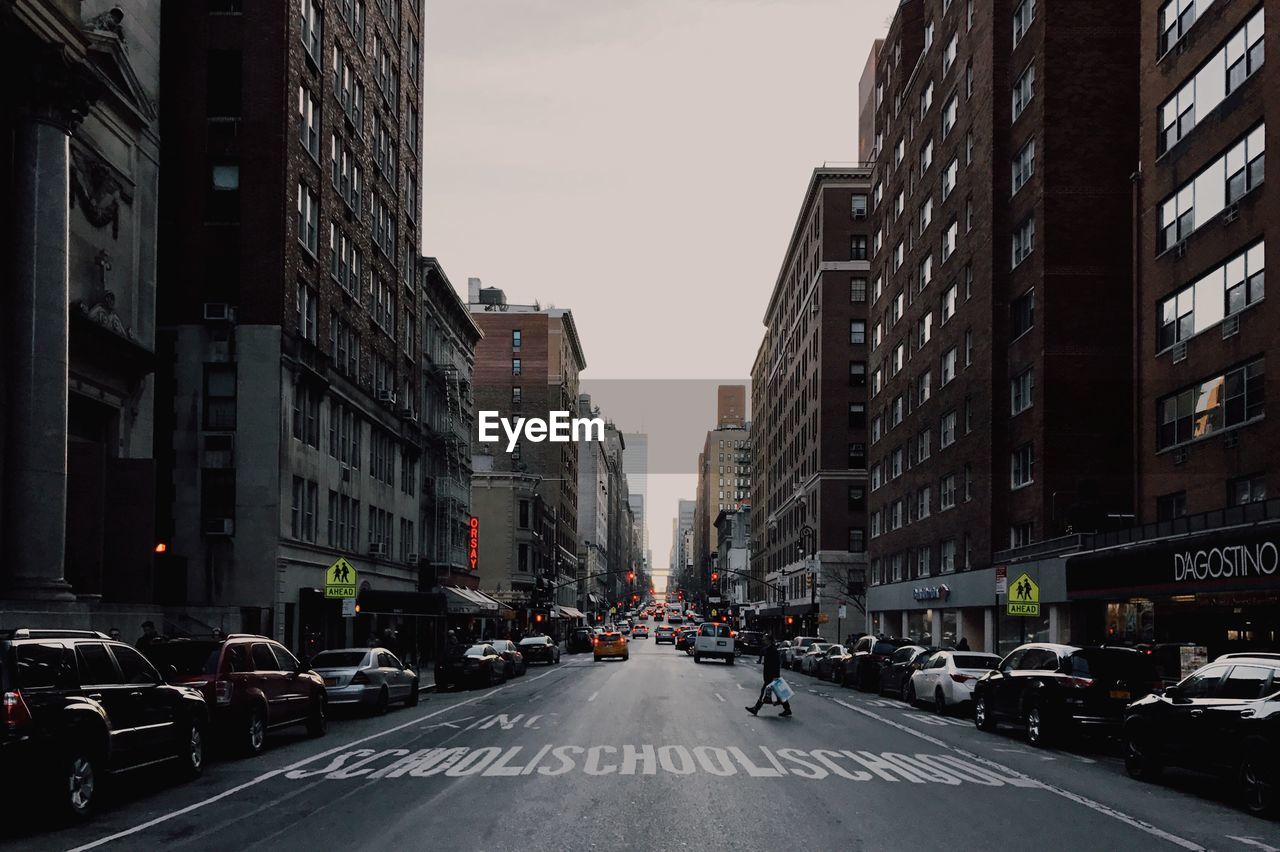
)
(1231, 440)
(1230, 326)
(219, 526)
(1180, 352)
(1179, 456)
(859, 214)
(377, 549)
(1180, 250)
(219, 312)
(413, 559)
(385, 395)
(409, 414)
(1231, 214)
(515, 371)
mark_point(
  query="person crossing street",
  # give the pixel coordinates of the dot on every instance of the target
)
(772, 671)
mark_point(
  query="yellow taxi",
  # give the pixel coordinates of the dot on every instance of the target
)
(611, 643)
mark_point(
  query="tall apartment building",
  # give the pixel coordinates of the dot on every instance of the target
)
(289, 431)
(527, 365)
(724, 476)
(867, 103)
(1001, 305)
(809, 423)
(682, 537)
(1202, 563)
(635, 464)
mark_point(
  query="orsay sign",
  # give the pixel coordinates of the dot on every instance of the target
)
(1217, 563)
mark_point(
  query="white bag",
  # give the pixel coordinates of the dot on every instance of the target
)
(781, 689)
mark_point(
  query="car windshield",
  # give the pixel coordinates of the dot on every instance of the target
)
(610, 637)
(975, 661)
(884, 648)
(190, 658)
(534, 640)
(337, 659)
(478, 651)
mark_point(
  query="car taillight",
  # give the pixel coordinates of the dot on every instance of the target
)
(962, 678)
(16, 714)
(1079, 681)
(222, 692)
(360, 677)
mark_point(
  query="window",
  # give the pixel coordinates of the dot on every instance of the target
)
(896, 515)
(857, 456)
(309, 122)
(311, 30)
(1022, 314)
(928, 35)
(1247, 489)
(897, 256)
(948, 430)
(1222, 402)
(1224, 291)
(968, 483)
(949, 54)
(924, 329)
(875, 429)
(896, 411)
(949, 237)
(949, 115)
(859, 206)
(308, 214)
(923, 500)
(857, 414)
(857, 540)
(1020, 535)
(947, 492)
(857, 331)
(948, 309)
(948, 366)
(926, 98)
(1022, 17)
(968, 79)
(923, 387)
(1023, 91)
(898, 204)
(949, 178)
(1170, 506)
(1237, 60)
(1024, 238)
(515, 338)
(968, 347)
(858, 290)
(307, 302)
(857, 497)
(1222, 182)
(1024, 166)
(1176, 18)
(895, 463)
(857, 374)
(1020, 466)
(859, 247)
(219, 396)
(926, 215)
(926, 157)
(924, 442)
(1020, 392)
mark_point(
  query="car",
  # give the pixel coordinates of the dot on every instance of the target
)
(510, 653)
(947, 678)
(869, 655)
(664, 633)
(1053, 690)
(1222, 719)
(714, 641)
(540, 649)
(624, 629)
(751, 641)
(611, 644)
(471, 665)
(792, 651)
(365, 677)
(581, 639)
(252, 684)
(640, 632)
(828, 666)
(79, 707)
(808, 661)
(675, 619)
(895, 674)
(685, 637)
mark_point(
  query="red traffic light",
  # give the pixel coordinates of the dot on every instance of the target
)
(715, 577)
(635, 597)
(790, 620)
(631, 576)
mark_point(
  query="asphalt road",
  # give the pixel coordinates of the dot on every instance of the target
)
(658, 753)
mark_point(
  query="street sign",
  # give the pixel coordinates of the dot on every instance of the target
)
(841, 613)
(340, 580)
(1002, 579)
(1024, 597)
(348, 607)
(823, 618)
(714, 612)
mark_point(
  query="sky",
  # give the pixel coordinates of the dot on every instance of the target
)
(640, 162)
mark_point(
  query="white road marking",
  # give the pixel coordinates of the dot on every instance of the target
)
(740, 686)
(593, 696)
(266, 776)
(719, 696)
(1254, 842)
(1066, 794)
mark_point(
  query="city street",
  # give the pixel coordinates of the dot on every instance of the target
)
(657, 752)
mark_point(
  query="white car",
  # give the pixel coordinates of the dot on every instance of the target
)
(714, 640)
(808, 661)
(790, 654)
(947, 679)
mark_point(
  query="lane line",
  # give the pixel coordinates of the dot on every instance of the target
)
(719, 696)
(266, 776)
(1253, 841)
(1099, 807)
(593, 696)
(740, 686)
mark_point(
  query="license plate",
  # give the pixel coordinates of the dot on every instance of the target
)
(722, 644)
(330, 681)
(1120, 693)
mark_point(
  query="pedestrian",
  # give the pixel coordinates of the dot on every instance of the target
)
(963, 645)
(114, 633)
(218, 635)
(772, 671)
(149, 635)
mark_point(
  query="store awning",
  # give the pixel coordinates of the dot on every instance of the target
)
(464, 601)
(570, 612)
(401, 603)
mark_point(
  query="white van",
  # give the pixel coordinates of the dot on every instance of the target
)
(713, 640)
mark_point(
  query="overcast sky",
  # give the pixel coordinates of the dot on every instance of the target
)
(640, 162)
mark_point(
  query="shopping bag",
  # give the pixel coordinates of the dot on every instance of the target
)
(781, 689)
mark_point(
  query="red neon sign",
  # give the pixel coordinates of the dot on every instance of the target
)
(474, 544)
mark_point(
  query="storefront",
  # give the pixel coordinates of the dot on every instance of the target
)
(1219, 589)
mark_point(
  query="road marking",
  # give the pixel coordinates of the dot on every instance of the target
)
(1254, 842)
(593, 696)
(740, 686)
(719, 696)
(266, 776)
(1066, 794)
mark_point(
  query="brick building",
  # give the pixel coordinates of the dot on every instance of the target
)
(724, 479)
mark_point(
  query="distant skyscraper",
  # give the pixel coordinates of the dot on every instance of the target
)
(635, 464)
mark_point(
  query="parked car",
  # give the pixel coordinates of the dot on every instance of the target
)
(471, 666)
(79, 707)
(827, 664)
(540, 649)
(1053, 690)
(789, 655)
(366, 677)
(1222, 719)
(750, 641)
(895, 674)
(808, 661)
(868, 655)
(581, 639)
(714, 641)
(685, 637)
(947, 678)
(611, 644)
(510, 653)
(664, 633)
(640, 631)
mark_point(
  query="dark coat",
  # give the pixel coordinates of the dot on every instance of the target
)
(772, 662)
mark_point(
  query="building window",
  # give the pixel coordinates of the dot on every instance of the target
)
(857, 540)
(968, 483)
(875, 429)
(1022, 314)
(895, 411)
(926, 215)
(1022, 17)
(857, 456)
(857, 374)
(923, 502)
(949, 237)
(1224, 291)
(1024, 237)
(517, 395)
(947, 495)
(968, 79)
(922, 561)
(948, 366)
(857, 497)
(1020, 392)
(220, 396)
(948, 430)
(1210, 406)
(948, 309)
(308, 214)
(947, 556)
(1024, 166)
(857, 414)
(1023, 90)
(895, 463)
(1247, 489)
(897, 256)
(926, 157)
(923, 445)
(949, 178)
(924, 329)
(311, 30)
(307, 302)
(949, 54)
(858, 206)
(1020, 535)
(515, 366)
(1020, 468)
(858, 290)
(926, 98)
(1176, 18)
(928, 36)
(1220, 183)
(949, 115)
(857, 331)
(1170, 506)
(923, 387)
(309, 122)
(899, 151)
(858, 246)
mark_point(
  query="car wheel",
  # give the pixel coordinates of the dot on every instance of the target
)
(982, 719)
(318, 719)
(1256, 780)
(939, 702)
(380, 706)
(80, 784)
(192, 750)
(626, 656)
(731, 660)
(697, 658)
(1137, 760)
(909, 693)
(255, 732)
(1037, 731)
(597, 658)
(412, 699)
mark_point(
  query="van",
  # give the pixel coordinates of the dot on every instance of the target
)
(714, 640)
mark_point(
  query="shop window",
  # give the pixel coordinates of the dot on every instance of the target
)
(1170, 506)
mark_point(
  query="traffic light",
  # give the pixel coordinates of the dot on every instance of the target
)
(715, 576)
(631, 576)
(790, 620)
(537, 617)
(635, 597)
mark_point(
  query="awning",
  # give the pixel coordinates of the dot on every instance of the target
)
(464, 601)
(401, 603)
(570, 612)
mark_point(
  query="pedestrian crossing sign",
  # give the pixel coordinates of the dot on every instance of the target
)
(340, 580)
(1024, 596)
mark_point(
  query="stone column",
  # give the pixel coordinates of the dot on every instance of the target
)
(989, 617)
(935, 628)
(36, 333)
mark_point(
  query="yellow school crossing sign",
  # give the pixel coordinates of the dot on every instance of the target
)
(340, 580)
(1024, 596)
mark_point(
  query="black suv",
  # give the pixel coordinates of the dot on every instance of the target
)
(1223, 718)
(79, 707)
(751, 642)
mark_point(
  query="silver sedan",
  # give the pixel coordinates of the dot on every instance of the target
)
(366, 677)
